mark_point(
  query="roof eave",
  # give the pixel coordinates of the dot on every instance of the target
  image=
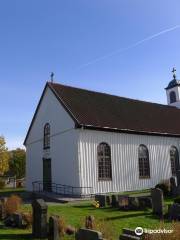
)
(128, 131)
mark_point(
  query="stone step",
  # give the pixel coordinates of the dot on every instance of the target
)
(128, 237)
(53, 197)
(129, 232)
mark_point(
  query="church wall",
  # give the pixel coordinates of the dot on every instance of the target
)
(124, 157)
(63, 141)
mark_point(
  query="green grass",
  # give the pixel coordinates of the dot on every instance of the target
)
(74, 214)
(12, 190)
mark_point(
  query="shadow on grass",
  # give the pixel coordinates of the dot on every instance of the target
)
(16, 236)
(129, 216)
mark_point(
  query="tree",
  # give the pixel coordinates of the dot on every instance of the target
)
(4, 156)
(17, 162)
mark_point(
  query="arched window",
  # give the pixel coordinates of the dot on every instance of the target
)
(144, 168)
(47, 136)
(104, 162)
(172, 97)
(174, 157)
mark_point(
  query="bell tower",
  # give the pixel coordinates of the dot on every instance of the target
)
(173, 91)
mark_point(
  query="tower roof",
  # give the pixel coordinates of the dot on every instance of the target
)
(173, 83)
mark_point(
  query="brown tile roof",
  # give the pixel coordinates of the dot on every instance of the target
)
(107, 112)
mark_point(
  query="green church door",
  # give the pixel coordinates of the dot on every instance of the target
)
(47, 178)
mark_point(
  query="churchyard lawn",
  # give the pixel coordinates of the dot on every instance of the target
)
(74, 214)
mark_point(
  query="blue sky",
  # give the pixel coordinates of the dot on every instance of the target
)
(71, 39)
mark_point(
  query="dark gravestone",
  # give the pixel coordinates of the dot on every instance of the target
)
(103, 200)
(114, 201)
(14, 220)
(87, 234)
(2, 208)
(178, 177)
(145, 202)
(17, 219)
(108, 200)
(173, 187)
(134, 203)
(174, 211)
(54, 228)
(157, 201)
(39, 218)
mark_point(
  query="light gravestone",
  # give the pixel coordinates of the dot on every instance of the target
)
(39, 218)
(54, 228)
(87, 234)
(123, 202)
(157, 201)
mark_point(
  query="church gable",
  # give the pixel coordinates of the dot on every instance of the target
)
(49, 110)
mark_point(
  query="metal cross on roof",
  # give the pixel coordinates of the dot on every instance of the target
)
(52, 77)
(174, 74)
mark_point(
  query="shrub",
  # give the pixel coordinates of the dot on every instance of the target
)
(27, 219)
(62, 226)
(105, 228)
(177, 200)
(13, 204)
(2, 184)
(164, 185)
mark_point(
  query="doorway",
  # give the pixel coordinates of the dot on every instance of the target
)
(47, 176)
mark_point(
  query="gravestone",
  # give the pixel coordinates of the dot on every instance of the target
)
(108, 200)
(173, 187)
(39, 218)
(134, 203)
(145, 202)
(54, 228)
(123, 202)
(178, 178)
(157, 201)
(89, 222)
(101, 199)
(87, 234)
(174, 211)
(2, 208)
(114, 201)
(14, 220)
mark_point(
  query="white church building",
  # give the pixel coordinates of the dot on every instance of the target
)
(83, 142)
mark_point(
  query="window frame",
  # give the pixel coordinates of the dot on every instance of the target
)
(46, 138)
(172, 97)
(105, 161)
(144, 163)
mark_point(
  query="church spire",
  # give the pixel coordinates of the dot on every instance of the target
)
(174, 73)
(173, 91)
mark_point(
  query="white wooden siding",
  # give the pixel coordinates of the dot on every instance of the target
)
(63, 151)
(124, 157)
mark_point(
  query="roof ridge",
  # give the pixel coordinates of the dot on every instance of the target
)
(104, 93)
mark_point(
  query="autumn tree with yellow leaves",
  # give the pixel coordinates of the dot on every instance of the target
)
(4, 156)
